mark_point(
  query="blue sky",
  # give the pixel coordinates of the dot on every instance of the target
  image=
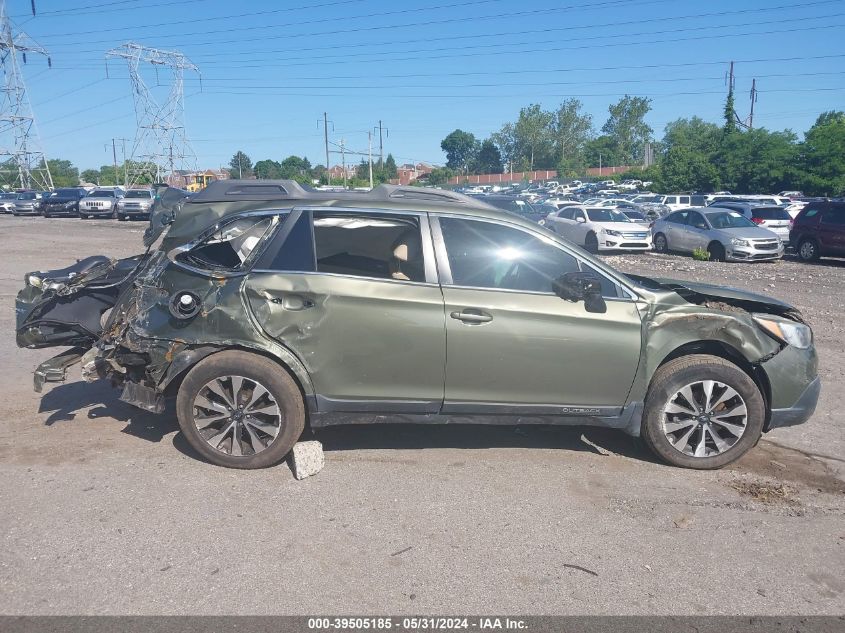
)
(270, 69)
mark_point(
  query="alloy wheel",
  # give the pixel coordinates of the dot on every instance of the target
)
(237, 416)
(705, 418)
(807, 250)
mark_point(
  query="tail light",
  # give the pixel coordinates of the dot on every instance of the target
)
(792, 224)
(757, 220)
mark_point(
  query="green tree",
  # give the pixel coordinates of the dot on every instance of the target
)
(628, 129)
(440, 175)
(823, 156)
(729, 114)
(687, 162)
(505, 140)
(90, 175)
(489, 159)
(533, 134)
(758, 161)
(240, 166)
(571, 130)
(64, 173)
(296, 168)
(602, 151)
(267, 169)
(390, 170)
(461, 149)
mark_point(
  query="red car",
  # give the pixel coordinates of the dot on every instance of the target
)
(819, 231)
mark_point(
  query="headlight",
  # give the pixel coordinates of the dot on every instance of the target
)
(738, 242)
(34, 280)
(615, 233)
(786, 331)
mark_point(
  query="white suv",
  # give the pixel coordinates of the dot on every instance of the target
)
(599, 229)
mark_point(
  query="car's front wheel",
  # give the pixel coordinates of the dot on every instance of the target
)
(591, 243)
(240, 410)
(702, 411)
(660, 243)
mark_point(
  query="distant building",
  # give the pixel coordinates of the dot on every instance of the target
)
(183, 177)
(336, 172)
(408, 173)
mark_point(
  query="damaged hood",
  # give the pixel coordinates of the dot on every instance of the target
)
(697, 292)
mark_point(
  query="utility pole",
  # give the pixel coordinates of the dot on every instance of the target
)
(343, 160)
(753, 101)
(381, 130)
(326, 140)
(114, 157)
(370, 155)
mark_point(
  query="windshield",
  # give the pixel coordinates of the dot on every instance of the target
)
(606, 215)
(139, 194)
(65, 193)
(8, 196)
(770, 213)
(26, 196)
(102, 193)
(729, 220)
(635, 215)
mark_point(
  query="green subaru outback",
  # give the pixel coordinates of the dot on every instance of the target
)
(262, 307)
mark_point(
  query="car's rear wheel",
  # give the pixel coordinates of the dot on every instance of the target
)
(122, 218)
(591, 243)
(240, 410)
(717, 252)
(808, 250)
(702, 412)
(660, 243)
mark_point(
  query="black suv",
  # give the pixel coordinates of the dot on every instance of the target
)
(63, 202)
(819, 231)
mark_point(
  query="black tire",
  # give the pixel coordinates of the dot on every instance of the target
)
(717, 252)
(47, 215)
(83, 216)
(672, 377)
(591, 243)
(274, 378)
(122, 218)
(661, 244)
(808, 250)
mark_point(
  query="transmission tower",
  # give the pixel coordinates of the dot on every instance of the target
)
(161, 146)
(22, 161)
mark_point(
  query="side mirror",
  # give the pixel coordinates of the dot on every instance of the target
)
(581, 286)
(580, 218)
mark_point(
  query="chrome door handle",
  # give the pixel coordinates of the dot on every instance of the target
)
(471, 316)
(293, 302)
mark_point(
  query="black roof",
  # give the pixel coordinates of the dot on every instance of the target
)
(272, 190)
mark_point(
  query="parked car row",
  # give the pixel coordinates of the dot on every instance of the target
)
(104, 202)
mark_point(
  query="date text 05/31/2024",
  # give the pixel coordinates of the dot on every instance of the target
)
(417, 623)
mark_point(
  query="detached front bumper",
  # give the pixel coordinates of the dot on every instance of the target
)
(795, 386)
(799, 412)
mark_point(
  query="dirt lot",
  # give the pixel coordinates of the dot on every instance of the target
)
(106, 510)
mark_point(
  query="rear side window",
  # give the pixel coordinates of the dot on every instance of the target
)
(770, 213)
(230, 246)
(369, 245)
(835, 215)
(679, 217)
(683, 199)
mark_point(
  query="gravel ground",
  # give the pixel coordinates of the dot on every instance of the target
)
(107, 511)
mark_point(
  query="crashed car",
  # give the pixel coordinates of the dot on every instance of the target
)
(262, 307)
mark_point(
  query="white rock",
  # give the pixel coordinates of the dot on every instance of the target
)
(307, 459)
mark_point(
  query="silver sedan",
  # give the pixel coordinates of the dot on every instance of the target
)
(725, 235)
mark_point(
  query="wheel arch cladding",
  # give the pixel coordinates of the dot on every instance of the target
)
(680, 330)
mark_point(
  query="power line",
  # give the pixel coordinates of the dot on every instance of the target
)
(289, 24)
(567, 28)
(97, 8)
